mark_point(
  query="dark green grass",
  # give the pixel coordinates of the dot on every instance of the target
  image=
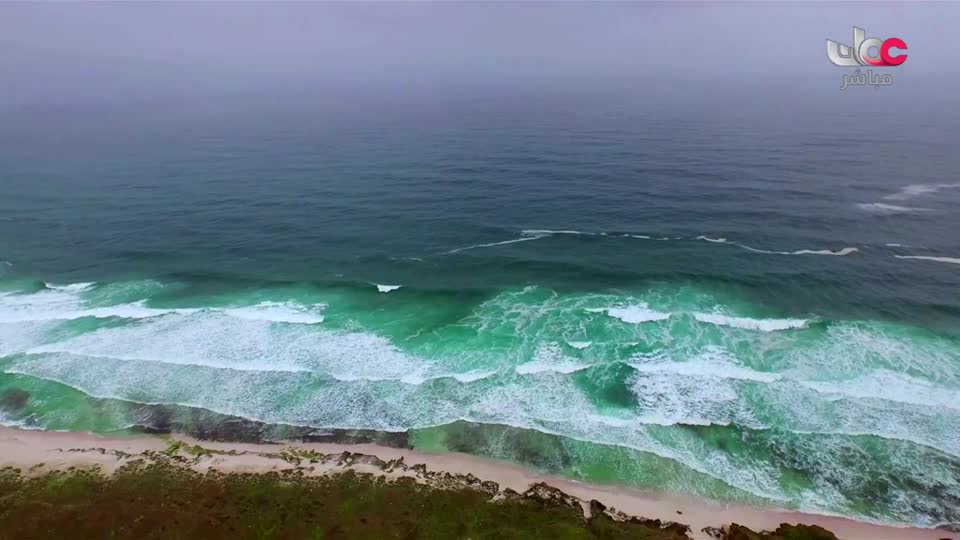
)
(163, 500)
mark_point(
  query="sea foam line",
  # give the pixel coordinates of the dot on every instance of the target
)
(881, 208)
(536, 234)
(493, 244)
(282, 312)
(839, 253)
(916, 190)
(546, 232)
(411, 379)
(950, 260)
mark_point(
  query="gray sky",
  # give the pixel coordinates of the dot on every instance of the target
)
(78, 51)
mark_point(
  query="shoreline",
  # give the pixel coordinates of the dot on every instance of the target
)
(36, 452)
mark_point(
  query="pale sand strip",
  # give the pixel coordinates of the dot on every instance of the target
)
(42, 451)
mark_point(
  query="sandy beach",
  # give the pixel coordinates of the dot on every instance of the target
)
(36, 452)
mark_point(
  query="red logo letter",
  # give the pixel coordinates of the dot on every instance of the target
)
(885, 51)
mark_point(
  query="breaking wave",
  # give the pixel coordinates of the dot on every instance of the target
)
(765, 325)
(711, 386)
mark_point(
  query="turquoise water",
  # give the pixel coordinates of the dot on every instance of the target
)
(628, 299)
(671, 387)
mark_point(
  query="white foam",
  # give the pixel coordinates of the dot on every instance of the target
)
(765, 325)
(65, 303)
(915, 190)
(579, 345)
(17, 337)
(950, 260)
(247, 342)
(894, 245)
(563, 366)
(715, 240)
(71, 287)
(493, 244)
(699, 391)
(282, 312)
(548, 358)
(473, 376)
(136, 310)
(636, 314)
(387, 288)
(541, 232)
(890, 386)
(839, 253)
(881, 208)
(713, 362)
(265, 311)
(44, 305)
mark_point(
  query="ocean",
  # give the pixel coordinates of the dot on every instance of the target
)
(752, 305)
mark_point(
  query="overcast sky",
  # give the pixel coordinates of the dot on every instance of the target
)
(79, 51)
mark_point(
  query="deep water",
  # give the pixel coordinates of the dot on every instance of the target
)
(752, 306)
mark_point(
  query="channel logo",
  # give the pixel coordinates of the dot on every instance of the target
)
(859, 55)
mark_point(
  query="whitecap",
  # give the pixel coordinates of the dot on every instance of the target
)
(547, 232)
(561, 366)
(472, 376)
(916, 190)
(950, 260)
(765, 325)
(493, 244)
(387, 288)
(881, 208)
(839, 253)
(579, 345)
(715, 240)
(71, 287)
(636, 314)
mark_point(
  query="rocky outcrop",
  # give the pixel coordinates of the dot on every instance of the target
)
(784, 532)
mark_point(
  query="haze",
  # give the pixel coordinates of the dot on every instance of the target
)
(689, 54)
